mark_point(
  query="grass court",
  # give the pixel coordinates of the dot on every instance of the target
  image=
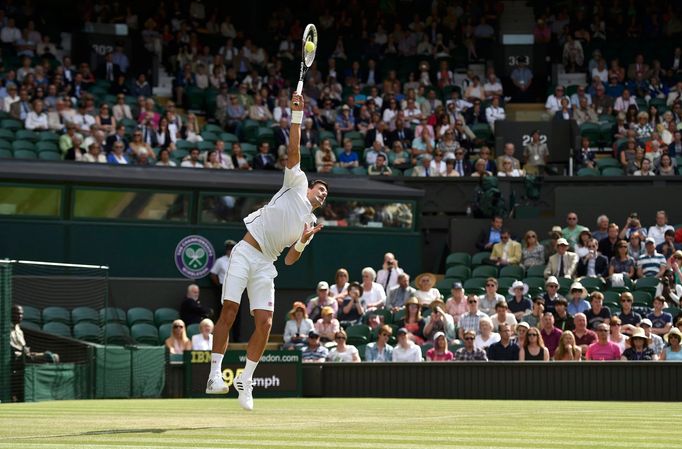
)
(339, 423)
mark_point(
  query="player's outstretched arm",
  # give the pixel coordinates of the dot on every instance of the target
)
(295, 250)
(294, 150)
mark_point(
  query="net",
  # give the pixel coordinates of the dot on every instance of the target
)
(58, 308)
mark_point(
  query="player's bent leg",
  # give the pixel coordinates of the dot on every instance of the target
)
(221, 332)
(244, 382)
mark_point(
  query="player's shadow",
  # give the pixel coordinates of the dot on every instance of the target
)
(120, 431)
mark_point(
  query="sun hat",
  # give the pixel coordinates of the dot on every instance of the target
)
(639, 333)
(562, 241)
(430, 276)
(298, 305)
(518, 284)
(327, 311)
(552, 280)
(674, 331)
(578, 286)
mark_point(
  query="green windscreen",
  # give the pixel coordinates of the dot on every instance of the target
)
(130, 205)
(30, 201)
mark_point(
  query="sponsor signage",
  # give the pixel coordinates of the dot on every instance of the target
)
(278, 373)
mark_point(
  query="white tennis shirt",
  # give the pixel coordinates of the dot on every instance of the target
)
(280, 223)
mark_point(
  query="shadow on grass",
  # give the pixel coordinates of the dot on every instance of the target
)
(115, 432)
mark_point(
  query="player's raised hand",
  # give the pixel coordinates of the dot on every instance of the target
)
(296, 102)
(308, 232)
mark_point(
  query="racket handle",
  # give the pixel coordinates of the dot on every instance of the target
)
(299, 87)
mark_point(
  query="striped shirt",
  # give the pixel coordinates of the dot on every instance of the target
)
(650, 264)
(469, 321)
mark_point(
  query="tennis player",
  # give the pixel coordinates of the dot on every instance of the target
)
(286, 221)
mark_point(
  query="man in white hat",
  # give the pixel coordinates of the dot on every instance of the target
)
(657, 343)
(323, 299)
(519, 304)
(577, 295)
(562, 264)
(651, 263)
(551, 294)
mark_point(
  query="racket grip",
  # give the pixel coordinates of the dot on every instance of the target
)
(299, 87)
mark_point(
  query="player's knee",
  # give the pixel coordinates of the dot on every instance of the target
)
(228, 314)
(264, 324)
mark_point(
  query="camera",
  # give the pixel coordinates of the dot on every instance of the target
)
(665, 282)
(634, 215)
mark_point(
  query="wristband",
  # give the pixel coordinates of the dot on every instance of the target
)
(296, 117)
(300, 246)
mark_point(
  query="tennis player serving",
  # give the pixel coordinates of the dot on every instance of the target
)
(287, 220)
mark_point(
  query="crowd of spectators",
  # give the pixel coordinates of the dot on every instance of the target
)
(391, 320)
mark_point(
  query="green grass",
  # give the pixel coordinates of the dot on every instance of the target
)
(346, 423)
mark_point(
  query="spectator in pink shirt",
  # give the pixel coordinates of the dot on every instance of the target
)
(440, 351)
(456, 305)
(603, 349)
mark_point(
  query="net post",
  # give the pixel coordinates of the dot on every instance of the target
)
(5, 327)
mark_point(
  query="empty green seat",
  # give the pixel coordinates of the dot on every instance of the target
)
(458, 259)
(11, 124)
(116, 334)
(512, 271)
(85, 314)
(25, 134)
(6, 154)
(359, 171)
(25, 154)
(140, 315)
(484, 271)
(192, 330)
(30, 325)
(536, 271)
(210, 127)
(87, 331)
(48, 136)
(6, 134)
(56, 314)
(49, 156)
(165, 332)
(643, 296)
(46, 146)
(504, 283)
(57, 328)
(612, 171)
(32, 314)
(586, 171)
(458, 272)
(474, 286)
(592, 284)
(209, 136)
(478, 258)
(165, 315)
(229, 139)
(145, 333)
(112, 315)
(358, 334)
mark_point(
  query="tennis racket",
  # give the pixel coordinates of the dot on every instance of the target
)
(309, 35)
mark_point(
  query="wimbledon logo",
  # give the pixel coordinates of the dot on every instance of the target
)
(194, 256)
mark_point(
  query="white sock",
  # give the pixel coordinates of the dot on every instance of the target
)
(249, 369)
(216, 363)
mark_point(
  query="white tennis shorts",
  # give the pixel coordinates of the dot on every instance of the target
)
(249, 269)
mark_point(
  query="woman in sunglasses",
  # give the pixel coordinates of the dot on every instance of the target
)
(343, 352)
(178, 342)
(534, 348)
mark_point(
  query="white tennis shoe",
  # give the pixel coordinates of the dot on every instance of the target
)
(245, 389)
(216, 385)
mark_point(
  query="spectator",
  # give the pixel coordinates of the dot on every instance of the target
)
(657, 343)
(572, 230)
(597, 313)
(203, 341)
(534, 348)
(672, 352)
(503, 316)
(594, 264)
(413, 320)
(553, 103)
(456, 304)
(505, 349)
(567, 349)
(462, 166)
(577, 303)
(507, 251)
(534, 318)
(17, 341)
(650, 263)
(615, 335)
(661, 321)
(36, 120)
(489, 237)
(343, 352)
(519, 304)
(389, 273)
(550, 334)
(399, 294)
(426, 291)
(533, 254)
(563, 264)
(565, 112)
(639, 347)
(440, 351)
(469, 321)
(264, 160)
(117, 157)
(602, 228)
(509, 151)
(486, 336)
(21, 108)
(94, 154)
(313, 351)
(578, 97)
(480, 169)
(583, 336)
(490, 297)
(657, 232)
(625, 101)
(535, 155)
(603, 349)
(327, 326)
(551, 294)
(405, 350)
(297, 327)
(522, 78)
(627, 316)
(353, 306)
(379, 167)
(324, 157)
(77, 152)
(469, 352)
(621, 262)
(323, 299)
(562, 319)
(339, 289)
(438, 321)
(348, 158)
(178, 342)
(584, 156)
(669, 289)
(380, 350)
(191, 309)
(520, 333)
(494, 112)
(374, 295)
(238, 159)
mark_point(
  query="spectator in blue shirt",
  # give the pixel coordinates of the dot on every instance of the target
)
(661, 321)
(380, 350)
(348, 158)
(314, 351)
(577, 294)
(488, 237)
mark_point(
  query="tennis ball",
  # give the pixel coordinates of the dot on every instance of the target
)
(309, 47)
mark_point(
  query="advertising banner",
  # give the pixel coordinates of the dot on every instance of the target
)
(278, 373)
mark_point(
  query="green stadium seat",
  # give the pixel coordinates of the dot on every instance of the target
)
(537, 271)
(611, 296)
(5, 154)
(116, 334)
(648, 284)
(586, 171)
(30, 325)
(140, 315)
(11, 124)
(484, 271)
(206, 145)
(512, 271)
(56, 314)
(87, 331)
(444, 286)
(503, 284)
(165, 331)
(458, 259)
(360, 171)
(23, 145)
(613, 171)
(249, 148)
(112, 315)
(607, 162)
(340, 171)
(46, 146)
(25, 134)
(57, 328)
(674, 311)
(5, 145)
(25, 154)
(184, 145)
(145, 334)
(591, 131)
(192, 330)
(358, 334)
(478, 258)
(535, 285)
(482, 131)
(593, 284)
(6, 134)
(474, 286)
(265, 135)
(425, 348)
(564, 285)
(361, 351)
(85, 314)
(178, 155)
(49, 156)
(32, 314)
(165, 315)
(643, 297)
(209, 136)
(250, 133)
(213, 128)
(458, 272)
(228, 138)
(398, 315)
